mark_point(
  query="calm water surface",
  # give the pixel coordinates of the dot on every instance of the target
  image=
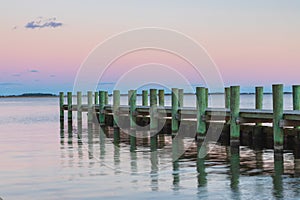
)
(37, 164)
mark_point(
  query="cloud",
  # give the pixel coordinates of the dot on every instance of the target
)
(33, 71)
(52, 76)
(16, 75)
(42, 22)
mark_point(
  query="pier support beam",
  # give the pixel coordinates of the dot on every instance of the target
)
(106, 97)
(227, 97)
(90, 108)
(153, 119)
(79, 115)
(70, 117)
(235, 112)
(175, 115)
(116, 106)
(201, 107)
(132, 115)
(161, 97)
(61, 110)
(277, 116)
(145, 98)
(180, 97)
(257, 136)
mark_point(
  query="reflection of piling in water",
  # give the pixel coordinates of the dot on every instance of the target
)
(201, 152)
(132, 118)
(234, 167)
(277, 179)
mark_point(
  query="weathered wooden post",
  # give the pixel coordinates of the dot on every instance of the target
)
(145, 97)
(102, 115)
(96, 98)
(277, 116)
(180, 97)
(227, 97)
(106, 97)
(132, 115)
(145, 103)
(153, 119)
(161, 102)
(61, 110)
(116, 106)
(201, 107)
(161, 97)
(235, 112)
(175, 115)
(257, 130)
(79, 115)
(70, 118)
(296, 106)
(90, 108)
(206, 97)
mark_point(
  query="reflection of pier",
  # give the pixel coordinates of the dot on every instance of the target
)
(155, 125)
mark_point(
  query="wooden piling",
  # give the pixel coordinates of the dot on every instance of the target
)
(70, 118)
(145, 98)
(161, 97)
(153, 119)
(296, 97)
(90, 107)
(235, 112)
(175, 115)
(132, 115)
(227, 97)
(61, 110)
(206, 97)
(180, 97)
(79, 115)
(259, 95)
(201, 107)
(96, 98)
(116, 106)
(106, 97)
(101, 108)
(277, 116)
(257, 129)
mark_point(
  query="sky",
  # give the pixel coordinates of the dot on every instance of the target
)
(44, 43)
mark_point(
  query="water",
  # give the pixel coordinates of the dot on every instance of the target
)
(37, 164)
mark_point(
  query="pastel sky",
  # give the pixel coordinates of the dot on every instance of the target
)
(44, 43)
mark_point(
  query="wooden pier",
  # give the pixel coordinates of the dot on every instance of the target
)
(234, 121)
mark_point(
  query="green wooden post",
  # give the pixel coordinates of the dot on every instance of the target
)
(61, 110)
(201, 107)
(277, 116)
(106, 97)
(132, 115)
(79, 115)
(296, 100)
(101, 108)
(70, 119)
(175, 115)
(129, 95)
(161, 97)
(145, 98)
(259, 95)
(180, 97)
(116, 106)
(90, 107)
(96, 98)
(227, 97)
(153, 119)
(235, 112)
(206, 97)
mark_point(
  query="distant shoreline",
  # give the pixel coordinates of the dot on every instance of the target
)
(29, 95)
